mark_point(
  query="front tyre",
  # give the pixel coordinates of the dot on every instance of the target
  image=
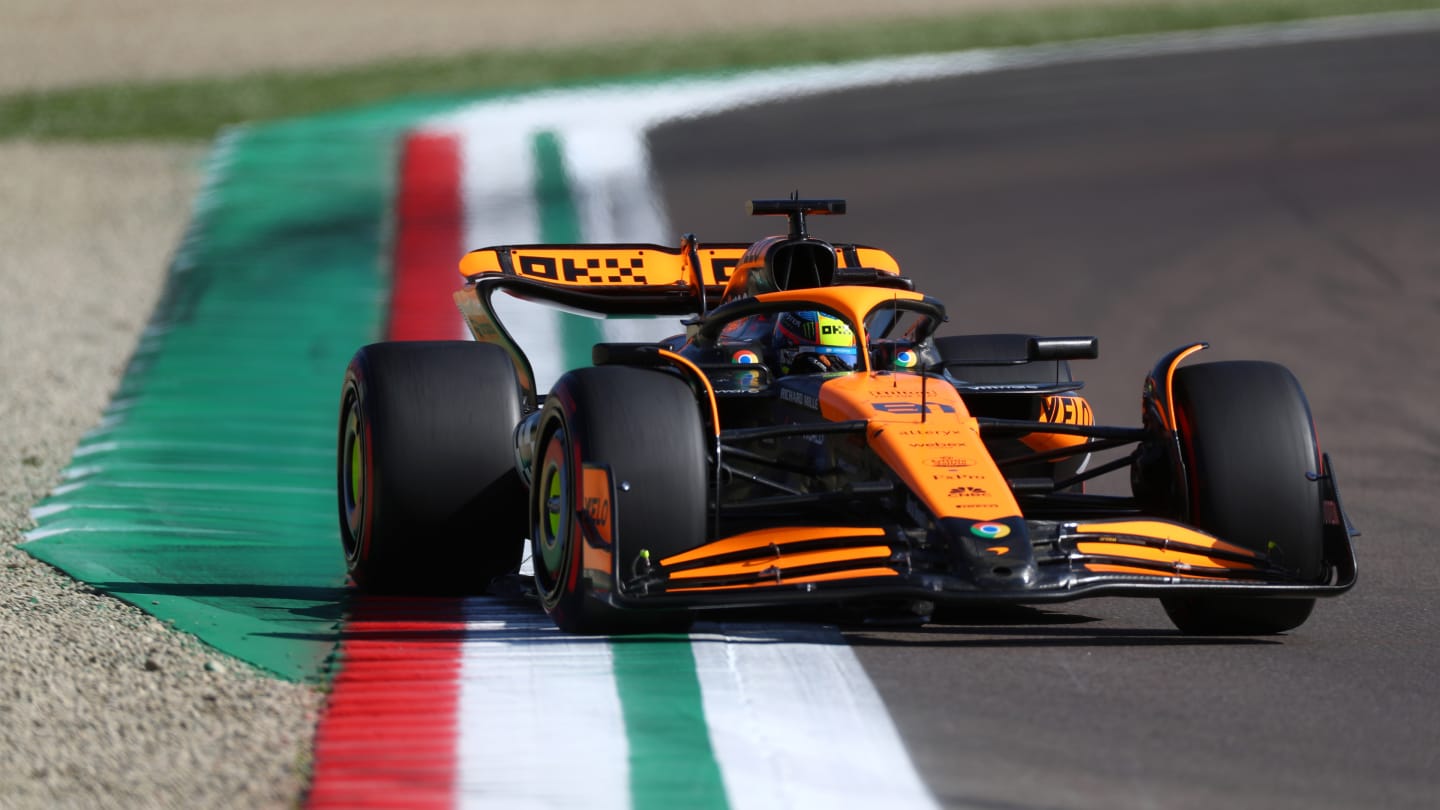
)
(644, 428)
(430, 501)
(1251, 454)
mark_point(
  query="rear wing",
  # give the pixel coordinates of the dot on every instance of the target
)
(615, 279)
(630, 279)
(609, 279)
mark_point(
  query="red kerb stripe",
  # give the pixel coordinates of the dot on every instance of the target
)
(388, 734)
(387, 737)
(429, 240)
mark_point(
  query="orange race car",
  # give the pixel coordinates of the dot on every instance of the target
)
(808, 439)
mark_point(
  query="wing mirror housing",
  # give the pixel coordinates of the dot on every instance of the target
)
(1062, 348)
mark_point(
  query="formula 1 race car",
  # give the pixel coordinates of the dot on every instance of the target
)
(809, 440)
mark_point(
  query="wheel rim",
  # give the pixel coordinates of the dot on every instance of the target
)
(552, 490)
(552, 506)
(352, 477)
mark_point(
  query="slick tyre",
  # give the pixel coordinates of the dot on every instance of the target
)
(643, 426)
(1249, 447)
(430, 501)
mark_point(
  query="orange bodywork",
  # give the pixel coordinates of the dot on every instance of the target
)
(1169, 415)
(770, 538)
(752, 259)
(1107, 568)
(581, 266)
(595, 499)
(592, 266)
(1165, 531)
(859, 573)
(776, 566)
(1149, 554)
(774, 560)
(920, 427)
(1067, 409)
(923, 431)
(1180, 548)
(596, 493)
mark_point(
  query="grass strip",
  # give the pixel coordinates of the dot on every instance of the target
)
(195, 109)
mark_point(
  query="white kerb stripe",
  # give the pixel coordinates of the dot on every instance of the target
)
(608, 168)
(609, 172)
(540, 718)
(497, 193)
(796, 723)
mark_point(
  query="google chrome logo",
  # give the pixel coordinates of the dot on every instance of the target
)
(990, 531)
(745, 356)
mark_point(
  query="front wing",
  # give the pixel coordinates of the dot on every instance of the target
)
(1073, 560)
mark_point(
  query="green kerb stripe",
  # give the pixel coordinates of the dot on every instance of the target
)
(560, 223)
(671, 761)
(206, 497)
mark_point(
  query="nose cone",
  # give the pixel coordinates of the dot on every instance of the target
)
(996, 554)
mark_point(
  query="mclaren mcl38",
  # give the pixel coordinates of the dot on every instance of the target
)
(809, 439)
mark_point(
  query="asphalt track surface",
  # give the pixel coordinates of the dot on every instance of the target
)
(1283, 204)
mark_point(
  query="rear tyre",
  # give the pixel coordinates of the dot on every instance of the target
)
(645, 427)
(1250, 451)
(430, 501)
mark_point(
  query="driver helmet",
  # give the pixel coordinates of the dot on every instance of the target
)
(813, 332)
